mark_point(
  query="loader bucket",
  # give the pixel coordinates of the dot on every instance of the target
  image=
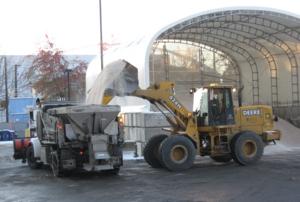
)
(119, 78)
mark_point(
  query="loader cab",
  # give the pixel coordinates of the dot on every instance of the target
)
(213, 105)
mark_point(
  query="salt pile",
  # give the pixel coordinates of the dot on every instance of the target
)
(290, 139)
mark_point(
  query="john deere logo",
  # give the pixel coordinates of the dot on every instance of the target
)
(176, 103)
(251, 112)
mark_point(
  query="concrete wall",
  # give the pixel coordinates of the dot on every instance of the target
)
(140, 127)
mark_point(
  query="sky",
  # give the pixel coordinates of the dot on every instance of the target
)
(73, 25)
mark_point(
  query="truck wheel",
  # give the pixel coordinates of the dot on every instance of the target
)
(55, 165)
(246, 148)
(222, 159)
(31, 160)
(177, 153)
(151, 151)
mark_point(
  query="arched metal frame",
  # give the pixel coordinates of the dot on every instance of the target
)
(261, 34)
(233, 63)
(220, 44)
(246, 27)
(257, 46)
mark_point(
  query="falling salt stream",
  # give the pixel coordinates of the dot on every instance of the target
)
(119, 78)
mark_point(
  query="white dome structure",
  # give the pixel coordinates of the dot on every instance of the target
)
(261, 45)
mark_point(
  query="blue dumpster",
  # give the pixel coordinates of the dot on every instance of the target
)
(7, 135)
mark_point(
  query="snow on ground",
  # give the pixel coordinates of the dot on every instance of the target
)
(131, 155)
(6, 142)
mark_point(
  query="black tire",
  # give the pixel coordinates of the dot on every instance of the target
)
(246, 148)
(151, 151)
(222, 159)
(56, 165)
(31, 160)
(177, 153)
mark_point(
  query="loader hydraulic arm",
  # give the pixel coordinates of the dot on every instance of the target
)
(162, 95)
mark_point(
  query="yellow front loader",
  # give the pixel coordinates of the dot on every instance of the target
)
(216, 128)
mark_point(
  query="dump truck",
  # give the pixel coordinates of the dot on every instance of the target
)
(216, 128)
(69, 137)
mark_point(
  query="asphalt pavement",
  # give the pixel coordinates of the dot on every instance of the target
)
(275, 178)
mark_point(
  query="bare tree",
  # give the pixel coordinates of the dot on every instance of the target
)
(47, 73)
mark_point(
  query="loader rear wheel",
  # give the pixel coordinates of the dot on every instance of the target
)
(247, 148)
(151, 151)
(177, 153)
(222, 159)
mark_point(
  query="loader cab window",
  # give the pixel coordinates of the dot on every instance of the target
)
(200, 106)
(220, 107)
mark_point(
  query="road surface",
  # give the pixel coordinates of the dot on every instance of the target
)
(275, 178)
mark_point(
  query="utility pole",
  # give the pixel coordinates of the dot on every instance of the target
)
(101, 41)
(6, 89)
(16, 80)
(68, 83)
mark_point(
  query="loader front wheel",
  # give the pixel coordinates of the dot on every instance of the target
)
(222, 159)
(151, 151)
(247, 148)
(177, 153)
